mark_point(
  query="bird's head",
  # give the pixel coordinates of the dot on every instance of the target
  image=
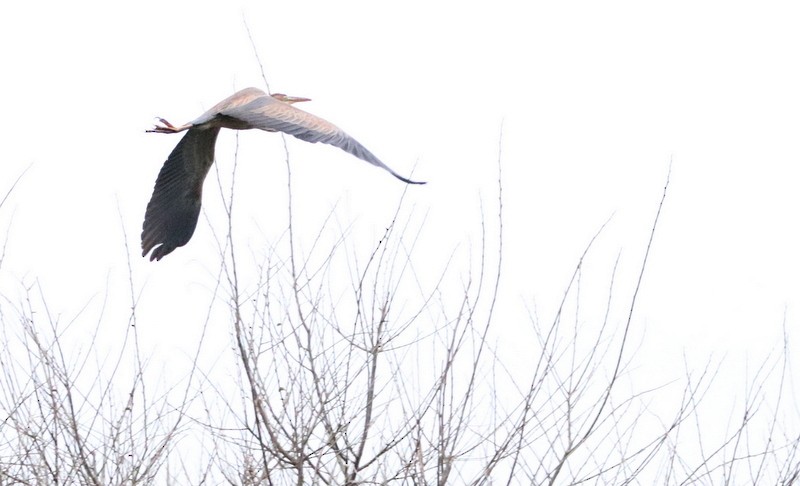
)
(289, 99)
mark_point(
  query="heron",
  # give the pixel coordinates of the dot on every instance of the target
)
(174, 208)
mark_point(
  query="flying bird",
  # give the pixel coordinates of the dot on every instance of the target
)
(174, 208)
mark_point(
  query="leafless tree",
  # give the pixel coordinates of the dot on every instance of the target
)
(354, 366)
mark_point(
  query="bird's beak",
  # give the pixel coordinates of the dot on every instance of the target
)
(295, 99)
(289, 99)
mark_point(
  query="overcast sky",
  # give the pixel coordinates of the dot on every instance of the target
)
(594, 100)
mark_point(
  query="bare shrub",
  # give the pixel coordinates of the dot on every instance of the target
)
(355, 366)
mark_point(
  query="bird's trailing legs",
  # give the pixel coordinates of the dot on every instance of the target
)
(167, 127)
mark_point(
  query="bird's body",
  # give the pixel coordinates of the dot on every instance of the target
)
(174, 208)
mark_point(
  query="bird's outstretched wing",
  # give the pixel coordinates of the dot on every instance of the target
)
(267, 113)
(174, 208)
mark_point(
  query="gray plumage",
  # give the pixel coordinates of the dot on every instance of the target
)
(174, 208)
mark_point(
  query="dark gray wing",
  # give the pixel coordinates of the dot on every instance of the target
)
(174, 208)
(267, 113)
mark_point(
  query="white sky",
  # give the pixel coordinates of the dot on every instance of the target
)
(595, 98)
